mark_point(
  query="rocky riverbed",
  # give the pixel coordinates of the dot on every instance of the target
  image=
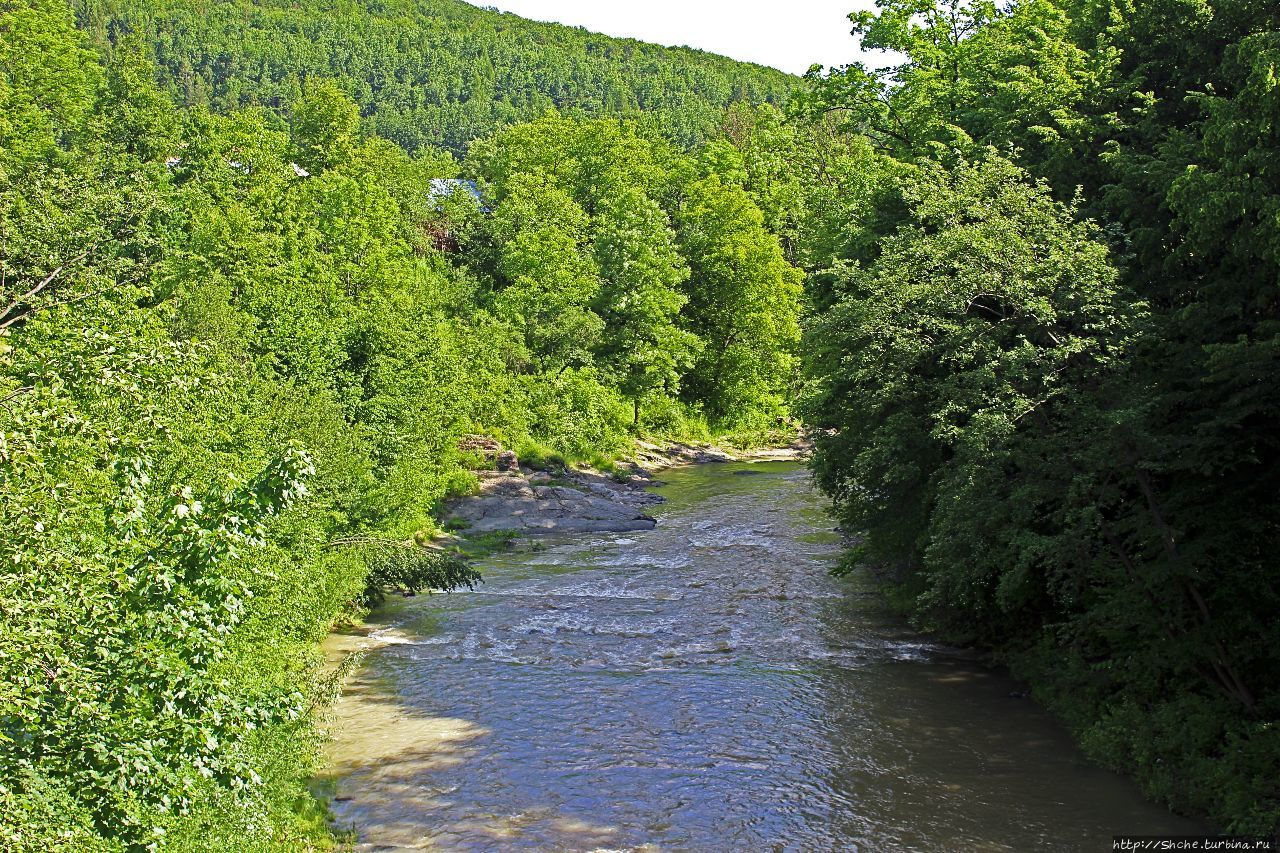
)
(531, 502)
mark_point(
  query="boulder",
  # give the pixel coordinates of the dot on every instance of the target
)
(481, 443)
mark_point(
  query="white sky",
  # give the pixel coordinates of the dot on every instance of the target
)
(790, 35)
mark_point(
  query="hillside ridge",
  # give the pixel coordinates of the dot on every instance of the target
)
(427, 73)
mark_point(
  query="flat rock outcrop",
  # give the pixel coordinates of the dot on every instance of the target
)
(580, 502)
(530, 502)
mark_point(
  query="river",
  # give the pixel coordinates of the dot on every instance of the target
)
(702, 686)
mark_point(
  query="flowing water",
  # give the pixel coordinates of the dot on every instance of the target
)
(702, 686)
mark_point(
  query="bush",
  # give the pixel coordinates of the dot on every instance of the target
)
(576, 414)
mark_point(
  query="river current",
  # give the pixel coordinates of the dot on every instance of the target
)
(702, 686)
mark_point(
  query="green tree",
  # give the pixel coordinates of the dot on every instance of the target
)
(974, 73)
(1109, 543)
(324, 124)
(974, 326)
(120, 585)
(48, 80)
(549, 277)
(640, 299)
(437, 74)
(182, 310)
(134, 115)
(743, 302)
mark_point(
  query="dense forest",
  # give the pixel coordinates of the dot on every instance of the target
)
(1044, 354)
(263, 265)
(426, 72)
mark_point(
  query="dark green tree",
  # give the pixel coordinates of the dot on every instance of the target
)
(743, 301)
(641, 273)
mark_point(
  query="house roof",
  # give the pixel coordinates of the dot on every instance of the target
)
(445, 187)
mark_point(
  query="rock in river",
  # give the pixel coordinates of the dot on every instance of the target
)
(583, 503)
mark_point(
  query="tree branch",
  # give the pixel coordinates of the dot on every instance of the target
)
(8, 317)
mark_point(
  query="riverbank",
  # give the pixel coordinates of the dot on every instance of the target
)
(531, 499)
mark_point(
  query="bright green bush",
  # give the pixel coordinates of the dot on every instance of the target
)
(576, 414)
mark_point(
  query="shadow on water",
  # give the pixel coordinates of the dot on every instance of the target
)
(702, 686)
(385, 753)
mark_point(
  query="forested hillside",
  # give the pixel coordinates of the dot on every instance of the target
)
(425, 72)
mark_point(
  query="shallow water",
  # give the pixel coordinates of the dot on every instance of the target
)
(702, 686)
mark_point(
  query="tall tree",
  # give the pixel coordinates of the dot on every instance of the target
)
(640, 299)
(549, 279)
(743, 301)
(1110, 541)
(324, 121)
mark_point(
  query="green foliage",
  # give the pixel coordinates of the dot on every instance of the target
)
(410, 567)
(237, 354)
(577, 414)
(975, 72)
(324, 122)
(133, 116)
(549, 278)
(429, 72)
(932, 361)
(1041, 255)
(608, 249)
(644, 348)
(591, 160)
(1057, 436)
(743, 302)
(49, 80)
(119, 582)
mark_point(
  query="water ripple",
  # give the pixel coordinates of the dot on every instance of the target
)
(703, 686)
